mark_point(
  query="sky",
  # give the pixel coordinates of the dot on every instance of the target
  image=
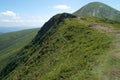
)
(34, 13)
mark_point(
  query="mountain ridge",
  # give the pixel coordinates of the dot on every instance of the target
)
(53, 21)
(69, 48)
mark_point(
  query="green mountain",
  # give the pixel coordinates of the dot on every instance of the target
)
(11, 43)
(97, 9)
(68, 48)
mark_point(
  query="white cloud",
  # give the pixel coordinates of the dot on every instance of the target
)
(8, 13)
(61, 7)
(10, 18)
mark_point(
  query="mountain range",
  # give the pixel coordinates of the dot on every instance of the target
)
(79, 46)
(11, 29)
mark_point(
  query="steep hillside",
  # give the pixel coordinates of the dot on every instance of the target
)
(10, 43)
(97, 9)
(66, 48)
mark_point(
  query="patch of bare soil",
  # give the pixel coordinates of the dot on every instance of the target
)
(102, 27)
(115, 73)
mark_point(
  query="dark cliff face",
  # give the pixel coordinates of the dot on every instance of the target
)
(54, 21)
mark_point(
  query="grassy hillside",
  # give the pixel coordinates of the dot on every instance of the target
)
(97, 9)
(10, 39)
(69, 48)
(11, 43)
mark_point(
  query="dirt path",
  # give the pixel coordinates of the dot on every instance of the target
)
(109, 68)
(113, 62)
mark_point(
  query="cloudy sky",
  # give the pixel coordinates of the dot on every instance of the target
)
(34, 13)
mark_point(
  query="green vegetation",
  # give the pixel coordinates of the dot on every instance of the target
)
(10, 39)
(66, 48)
(72, 49)
(97, 9)
(11, 43)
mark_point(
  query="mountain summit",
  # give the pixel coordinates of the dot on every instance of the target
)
(98, 9)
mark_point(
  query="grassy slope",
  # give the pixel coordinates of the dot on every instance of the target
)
(10, 43)
(70, 50)
(10, 39)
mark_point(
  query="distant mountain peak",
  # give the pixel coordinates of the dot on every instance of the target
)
(98, 9)
(96, 3)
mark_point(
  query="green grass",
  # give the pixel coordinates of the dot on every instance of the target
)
(70, 50)
(11, 43)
